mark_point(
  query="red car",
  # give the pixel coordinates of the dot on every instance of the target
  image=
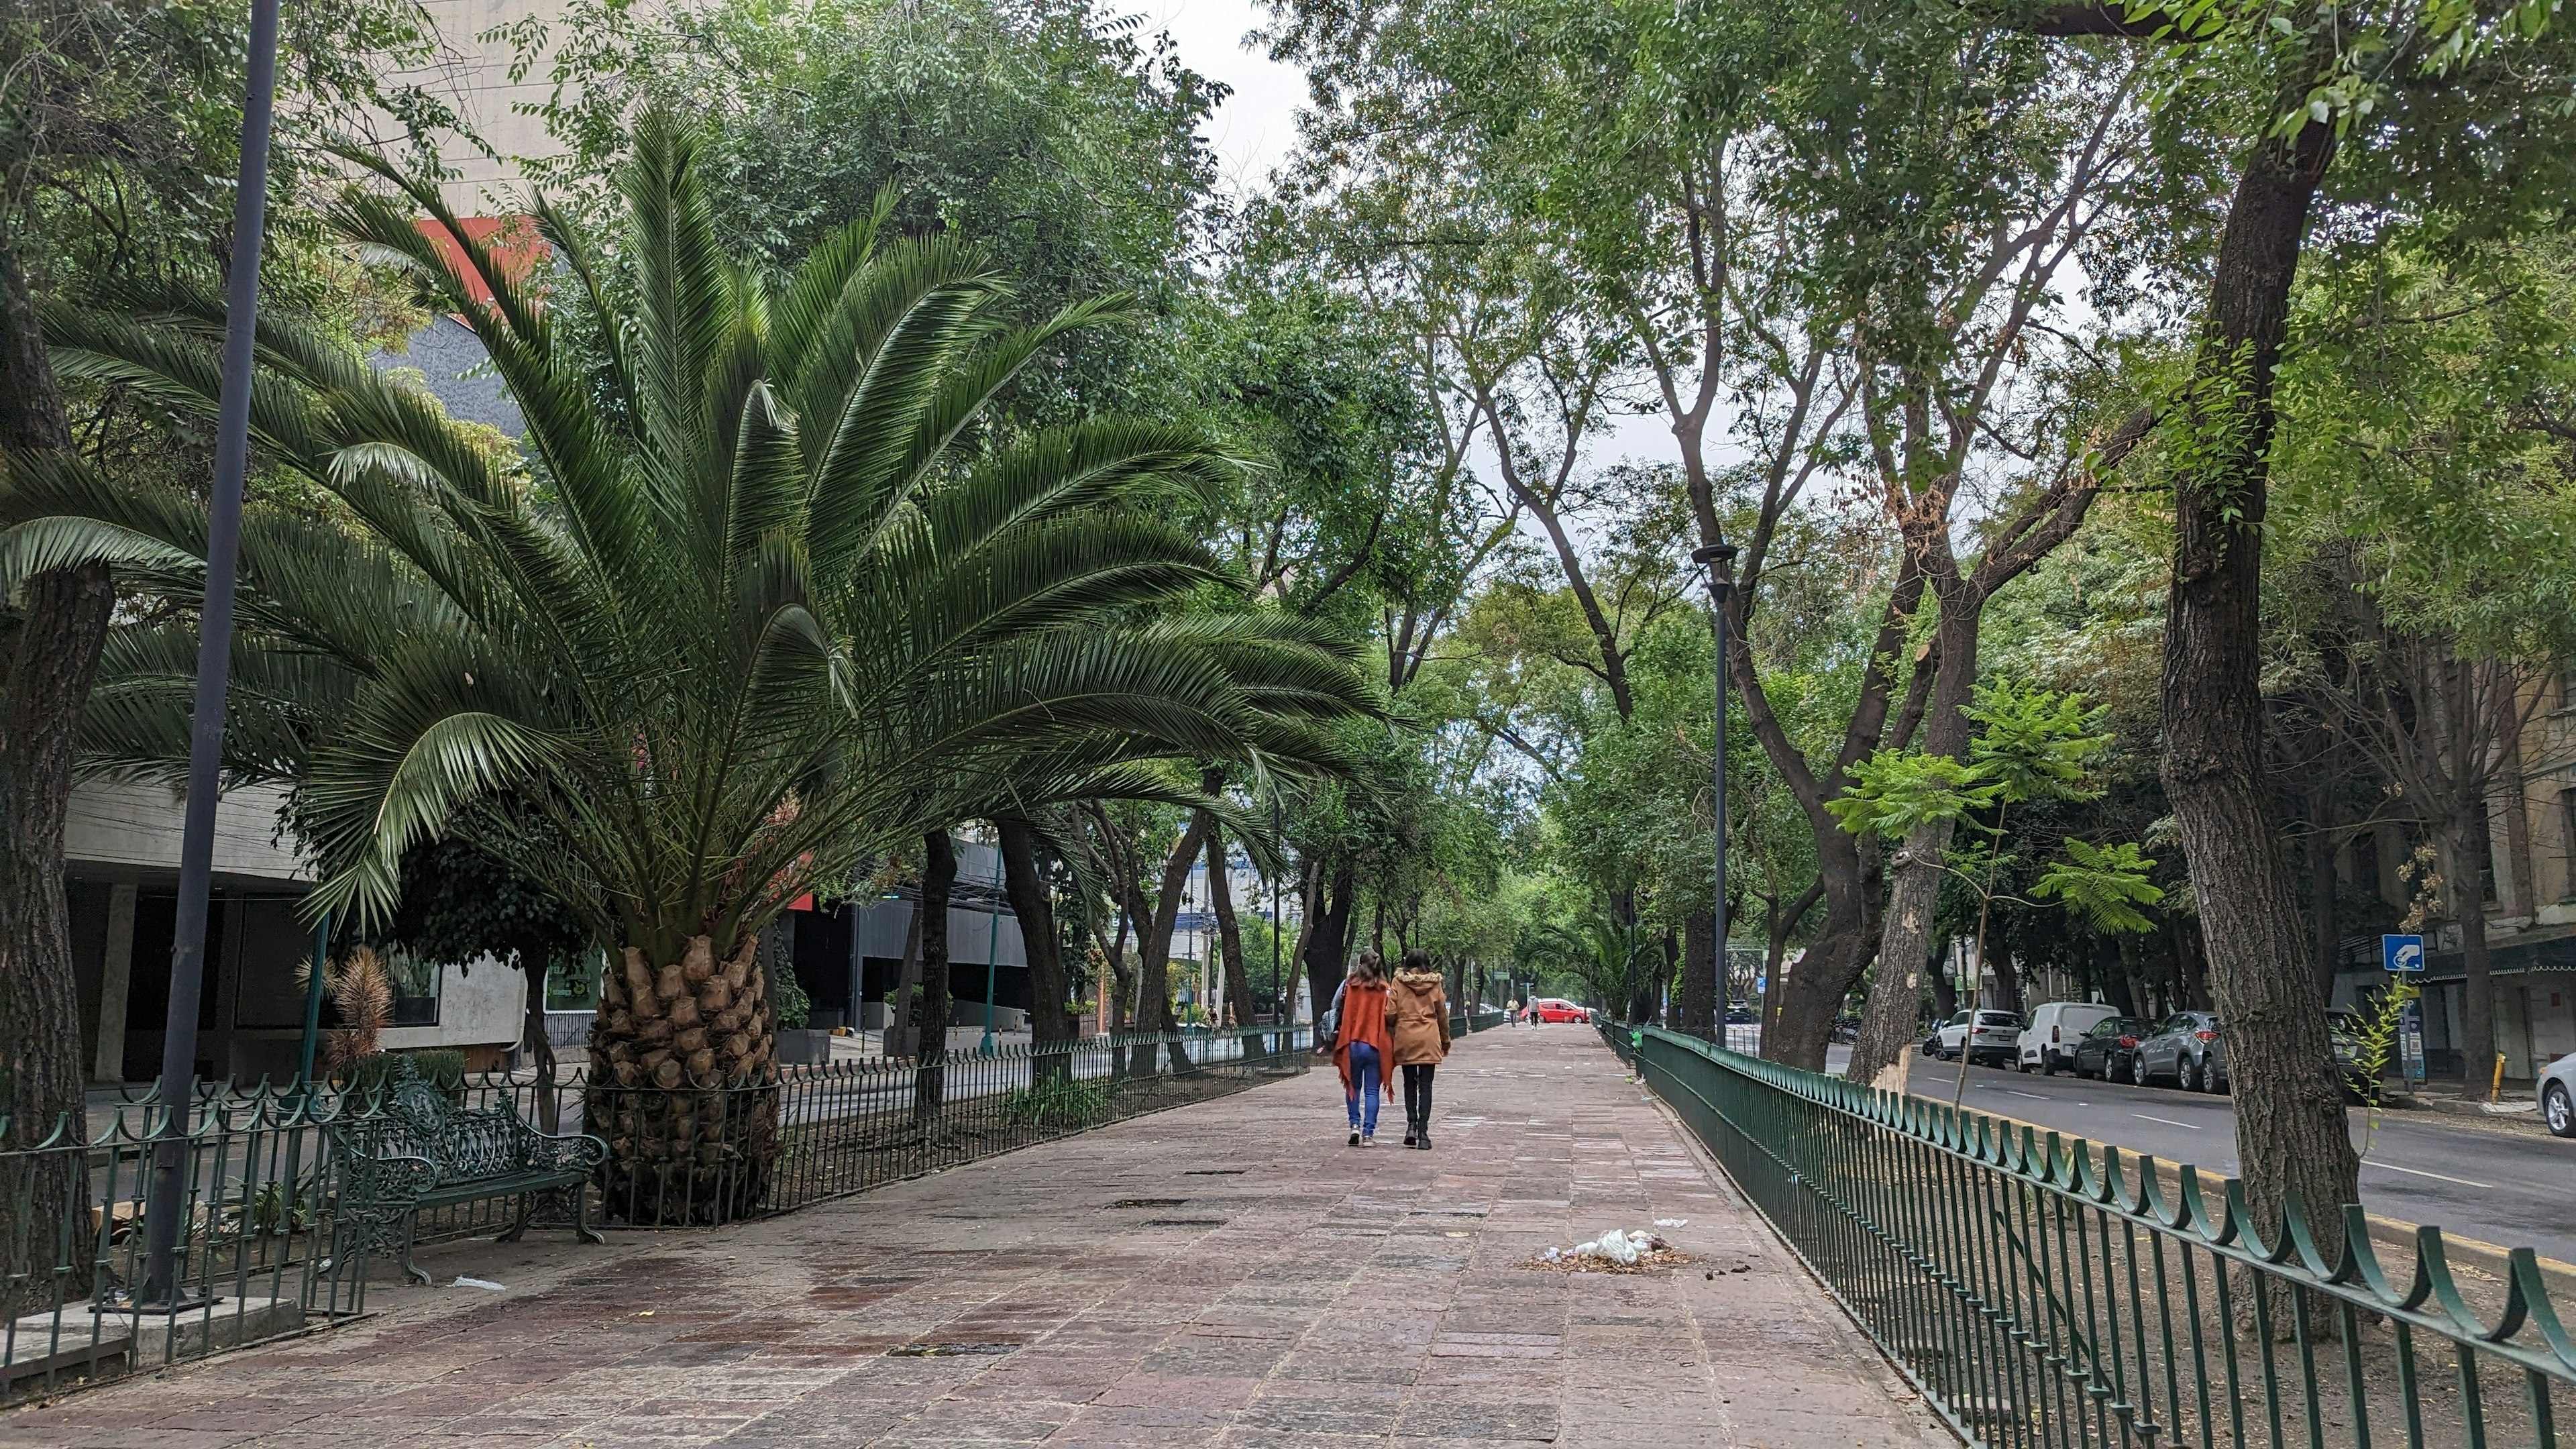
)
(1548, 1009)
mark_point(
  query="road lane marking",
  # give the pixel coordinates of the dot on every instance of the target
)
(2168, 1121)
(2419, 1172)
(2034, 1096)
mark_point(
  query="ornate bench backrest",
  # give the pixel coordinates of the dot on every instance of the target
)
(413, 1118)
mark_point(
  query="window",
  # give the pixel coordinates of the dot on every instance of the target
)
(415, 984)
(2567, 837)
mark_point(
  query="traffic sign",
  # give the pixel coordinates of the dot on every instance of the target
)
(2402, 955)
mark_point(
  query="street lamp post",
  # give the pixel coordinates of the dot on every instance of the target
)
(164, 1215)
(1719, 559)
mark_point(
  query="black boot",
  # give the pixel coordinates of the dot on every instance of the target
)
(1422, 1139)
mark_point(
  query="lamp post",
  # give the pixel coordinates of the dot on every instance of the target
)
(164, 1214)
(1719, 559)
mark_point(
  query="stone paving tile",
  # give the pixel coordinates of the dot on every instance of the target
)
(1378, 1298)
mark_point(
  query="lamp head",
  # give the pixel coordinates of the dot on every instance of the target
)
(1720, 554)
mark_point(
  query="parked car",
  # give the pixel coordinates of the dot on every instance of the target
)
(1990, 1037)
(2104, 1051)
(1555, 1008)
(2187, 1048)
(2556, 1093)
(1739, 1015)
(2344, 1028)
(2048, 1043)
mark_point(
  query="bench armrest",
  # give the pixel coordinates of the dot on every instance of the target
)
(568, 1152)
(371, 1183)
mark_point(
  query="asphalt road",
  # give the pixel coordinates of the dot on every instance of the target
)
(2508, 1184)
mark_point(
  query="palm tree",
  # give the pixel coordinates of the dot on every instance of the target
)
(770, 593)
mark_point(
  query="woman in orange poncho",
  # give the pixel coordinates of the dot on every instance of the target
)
(1361, 1046)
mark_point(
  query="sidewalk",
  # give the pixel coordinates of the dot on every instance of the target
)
(1224, 1274)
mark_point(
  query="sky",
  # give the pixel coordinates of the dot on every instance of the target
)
(1257, 126)
(1256, 130)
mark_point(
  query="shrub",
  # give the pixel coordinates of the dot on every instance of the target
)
(1063, 1102)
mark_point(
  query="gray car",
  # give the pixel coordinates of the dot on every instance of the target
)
(2187, 1049)
(2557, 1105)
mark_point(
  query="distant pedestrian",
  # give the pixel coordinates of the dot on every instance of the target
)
(1420, 1005)
(1361, 1047)
(1512, 1011)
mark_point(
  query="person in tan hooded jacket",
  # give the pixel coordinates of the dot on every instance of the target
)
(1417, 1007)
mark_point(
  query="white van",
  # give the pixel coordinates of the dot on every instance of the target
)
(2048, 1043)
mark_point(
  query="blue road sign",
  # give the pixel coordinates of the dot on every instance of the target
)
(2402, 955)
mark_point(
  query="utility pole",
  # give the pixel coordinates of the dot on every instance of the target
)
(1719, 559)
(165, 1215)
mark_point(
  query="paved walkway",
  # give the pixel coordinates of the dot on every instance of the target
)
(1225, 1274)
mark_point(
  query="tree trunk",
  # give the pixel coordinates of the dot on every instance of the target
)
(2121, 984)
(2191, 967)
(903, 1009)
(2008, 995)
(2458, 841)
(1051, 1027)
(1891, 1022)
(1325, 944)
(1229, 931)
(1703, 984)
(2515, 884)
(2290, 1127)
(533, 966)
(1154, 954)
(684, 1084)
(931, 1020)
(62, 623)
(1945, 995)
(2321, 882)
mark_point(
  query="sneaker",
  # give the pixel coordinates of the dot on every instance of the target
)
(1368, 1140)
(1355, 1137)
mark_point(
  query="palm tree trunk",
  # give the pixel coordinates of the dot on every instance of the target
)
(684, 1080)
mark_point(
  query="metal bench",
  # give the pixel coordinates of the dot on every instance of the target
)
(419, 1149)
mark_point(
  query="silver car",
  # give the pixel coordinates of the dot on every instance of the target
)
(2188, 1048)
(2556, 1092)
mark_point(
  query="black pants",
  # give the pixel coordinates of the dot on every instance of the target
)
(1417, 1095)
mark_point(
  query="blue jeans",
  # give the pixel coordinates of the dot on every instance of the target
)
(1366, 1076)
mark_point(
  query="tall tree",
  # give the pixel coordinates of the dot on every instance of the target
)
(880, 629)
(116, 158)
(2445, 112)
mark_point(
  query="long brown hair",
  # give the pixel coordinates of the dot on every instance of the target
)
(1370, 968)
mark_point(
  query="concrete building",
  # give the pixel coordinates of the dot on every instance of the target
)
(121, 844)
(477, 42)
(2530, 902)
(849, 958)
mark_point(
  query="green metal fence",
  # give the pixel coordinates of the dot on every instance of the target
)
(2043, 1291)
